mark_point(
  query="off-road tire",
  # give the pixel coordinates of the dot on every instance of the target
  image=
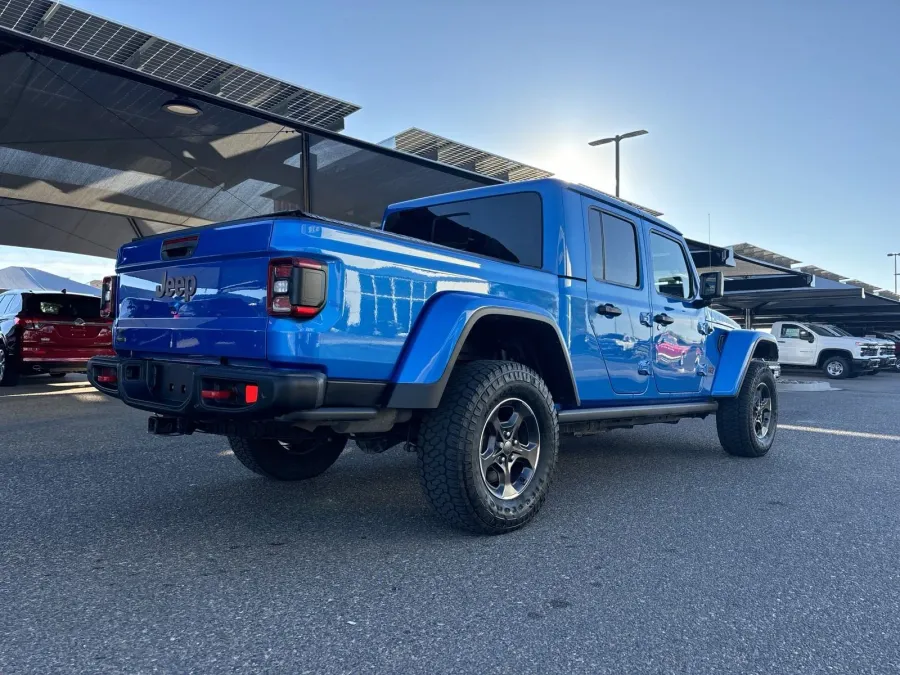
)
(844, 363)
(9, 372)
(449, 443)
(289, 461)
(735, 417)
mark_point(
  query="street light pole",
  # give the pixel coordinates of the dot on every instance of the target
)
(894, 256)
(618, 139)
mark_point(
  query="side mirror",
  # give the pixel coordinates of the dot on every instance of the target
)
(806, 335)
(712, 286)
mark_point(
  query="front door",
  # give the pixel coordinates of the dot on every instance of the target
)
(796, 345)
(678, 357)
(618, 299)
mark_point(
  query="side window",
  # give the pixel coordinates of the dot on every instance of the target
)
(506, 227)
(15, 304)
(595, 233)
(671, 271)
(614, 252)
(790, 331)
(4, 301)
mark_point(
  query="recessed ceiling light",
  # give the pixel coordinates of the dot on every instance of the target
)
(181, 106)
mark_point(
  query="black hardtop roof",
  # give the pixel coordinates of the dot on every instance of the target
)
(531, 186)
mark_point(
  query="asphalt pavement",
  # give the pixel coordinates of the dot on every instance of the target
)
(655, 553)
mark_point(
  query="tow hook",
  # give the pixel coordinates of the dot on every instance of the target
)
(169, 426)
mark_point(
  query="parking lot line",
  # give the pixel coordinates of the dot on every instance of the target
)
(78, 390)
(839, 432)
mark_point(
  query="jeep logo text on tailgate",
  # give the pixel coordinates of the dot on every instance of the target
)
(177, 287)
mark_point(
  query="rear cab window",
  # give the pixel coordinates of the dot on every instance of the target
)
(62, 307)
(614, 249)
(507, 227)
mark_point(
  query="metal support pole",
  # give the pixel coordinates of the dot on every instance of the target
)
(617, 184)
(307, 173)
(748, 318)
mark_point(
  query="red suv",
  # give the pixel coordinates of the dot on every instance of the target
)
(50, 332)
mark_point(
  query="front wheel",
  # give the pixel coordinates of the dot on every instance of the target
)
(836, 367)
(488, 451)
(748, 422)
(295, 460)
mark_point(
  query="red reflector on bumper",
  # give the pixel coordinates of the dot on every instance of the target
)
(217, 395)
(106, 379)
(251, 393)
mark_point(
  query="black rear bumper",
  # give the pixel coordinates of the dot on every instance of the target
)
(175, 389)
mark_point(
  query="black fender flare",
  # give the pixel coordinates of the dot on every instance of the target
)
(409, 395)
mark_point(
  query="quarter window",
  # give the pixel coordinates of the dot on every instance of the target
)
(671, 271)
(506, 227)
(614, 253)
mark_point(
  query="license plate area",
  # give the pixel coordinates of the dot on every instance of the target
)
(171, 382)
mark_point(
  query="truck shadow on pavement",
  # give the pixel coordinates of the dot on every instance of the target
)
(366, 496)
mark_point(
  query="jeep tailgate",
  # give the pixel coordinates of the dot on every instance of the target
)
(196, 293)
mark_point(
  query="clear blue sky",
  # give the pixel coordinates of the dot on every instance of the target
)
(777, 118)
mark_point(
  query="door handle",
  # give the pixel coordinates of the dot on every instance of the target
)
(609, 310)
(664, 319)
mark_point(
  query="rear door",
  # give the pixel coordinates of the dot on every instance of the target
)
(618, 300)
(677, 341)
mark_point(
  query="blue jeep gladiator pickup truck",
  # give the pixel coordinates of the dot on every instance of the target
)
(476, 327)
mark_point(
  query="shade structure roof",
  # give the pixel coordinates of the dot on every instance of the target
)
(88, 34)
(426, 144)
(90, 157)
(850, 307)
(28, 278)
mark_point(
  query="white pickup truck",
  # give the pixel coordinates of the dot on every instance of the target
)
(887, 358)
(812, 345)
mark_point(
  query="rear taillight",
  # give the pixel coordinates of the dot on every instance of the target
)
(297, 287)
(27, 324)
(107, 376)
(108, 298)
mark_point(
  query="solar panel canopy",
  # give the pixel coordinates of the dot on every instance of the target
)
(426, 144)
(90, 157)
(91, 35)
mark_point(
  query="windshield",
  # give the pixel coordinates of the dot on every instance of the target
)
(838, 331)
(820, 329)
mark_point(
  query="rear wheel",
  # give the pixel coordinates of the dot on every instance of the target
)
(747, 423)
(297, 460)
(487, 453)
(9, 375)
(836, 367)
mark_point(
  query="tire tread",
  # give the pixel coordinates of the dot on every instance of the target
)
(446, 435)
(732, 424)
